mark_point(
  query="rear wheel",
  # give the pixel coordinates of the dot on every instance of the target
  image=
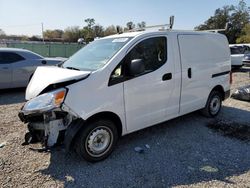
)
(213, 104)
(96, 140)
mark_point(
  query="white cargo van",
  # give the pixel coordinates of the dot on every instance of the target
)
(123, 83)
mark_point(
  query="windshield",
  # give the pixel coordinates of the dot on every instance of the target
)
(96, 54)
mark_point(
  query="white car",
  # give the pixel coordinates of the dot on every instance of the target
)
(237, 54)
(18, 65)
(123, 83)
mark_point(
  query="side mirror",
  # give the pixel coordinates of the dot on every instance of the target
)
(136, 67)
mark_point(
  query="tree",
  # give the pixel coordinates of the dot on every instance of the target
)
(90, 22)
(2, 33)
(98, 31)
(110, 30)
(237, 16)
(245, 35)
(88, 31)
(130, 25)
(141, 24)
(53, 34)
(72, 34)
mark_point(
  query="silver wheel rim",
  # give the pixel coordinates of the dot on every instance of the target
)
(99, 141)
(215, 105)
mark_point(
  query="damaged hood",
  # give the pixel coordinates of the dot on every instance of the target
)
(45, 76)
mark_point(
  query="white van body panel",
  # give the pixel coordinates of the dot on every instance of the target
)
(204, 55)
(147, 100)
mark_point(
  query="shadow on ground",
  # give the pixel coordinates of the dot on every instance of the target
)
(12, 96)
(182, 151)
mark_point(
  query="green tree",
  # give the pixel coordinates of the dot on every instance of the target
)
(90, 22)
(130, 25)
(88, 31)
(110, 30)
(53, 34)
(2, 33)
(141, 24)
(237, 16)
(72, 34)
(245, 35)
(98, 30)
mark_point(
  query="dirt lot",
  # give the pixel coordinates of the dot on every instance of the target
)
(190, 151)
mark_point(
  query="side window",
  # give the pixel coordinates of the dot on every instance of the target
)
(9, 57)
(152, 51)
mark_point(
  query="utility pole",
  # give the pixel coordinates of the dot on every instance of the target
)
(42, 33)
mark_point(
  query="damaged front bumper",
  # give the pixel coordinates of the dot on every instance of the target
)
(46, 127)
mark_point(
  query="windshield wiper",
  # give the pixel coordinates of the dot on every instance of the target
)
(72, 68)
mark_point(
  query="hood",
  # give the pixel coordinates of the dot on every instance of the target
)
(45, 76)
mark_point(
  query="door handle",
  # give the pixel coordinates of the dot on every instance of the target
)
(167, 76)
(5, 68)
(189, 73)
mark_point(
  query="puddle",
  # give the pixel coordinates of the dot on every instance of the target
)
(231, 129)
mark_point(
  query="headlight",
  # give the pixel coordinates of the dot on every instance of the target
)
(45, 102)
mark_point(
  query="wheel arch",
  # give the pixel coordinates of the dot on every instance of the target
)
(110, 116)
(76, 126)
(220, 89)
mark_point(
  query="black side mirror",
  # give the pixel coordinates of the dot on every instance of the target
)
(44, 62)
(136, 67)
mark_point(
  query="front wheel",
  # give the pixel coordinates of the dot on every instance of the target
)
(96, 140)
(213, 104)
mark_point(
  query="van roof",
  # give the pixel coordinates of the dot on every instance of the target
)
(136, 33)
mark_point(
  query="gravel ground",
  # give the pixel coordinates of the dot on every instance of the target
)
(183, 152)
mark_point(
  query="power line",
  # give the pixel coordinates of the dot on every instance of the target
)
(26, 25)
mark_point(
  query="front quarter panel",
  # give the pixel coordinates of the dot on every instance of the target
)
(93, 95)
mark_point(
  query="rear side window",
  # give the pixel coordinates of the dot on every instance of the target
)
(240, 50)
(152, 51)
(9, 57)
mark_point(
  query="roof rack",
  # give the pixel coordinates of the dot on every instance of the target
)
(162, 27)
(168, 27)
(227, 26)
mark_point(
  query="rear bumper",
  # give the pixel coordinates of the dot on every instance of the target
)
(246, 63)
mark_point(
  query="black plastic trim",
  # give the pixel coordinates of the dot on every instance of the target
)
(71, 132)
(220, 74)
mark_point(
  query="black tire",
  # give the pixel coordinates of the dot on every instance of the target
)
(102, 133)
(213, 105)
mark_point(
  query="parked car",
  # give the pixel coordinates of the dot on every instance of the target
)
(18, 65)
(123, 83)
(246, 59)
(237, 54)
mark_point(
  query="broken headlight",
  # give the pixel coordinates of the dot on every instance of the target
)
(45, 102)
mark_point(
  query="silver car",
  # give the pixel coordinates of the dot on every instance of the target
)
(18, 65)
